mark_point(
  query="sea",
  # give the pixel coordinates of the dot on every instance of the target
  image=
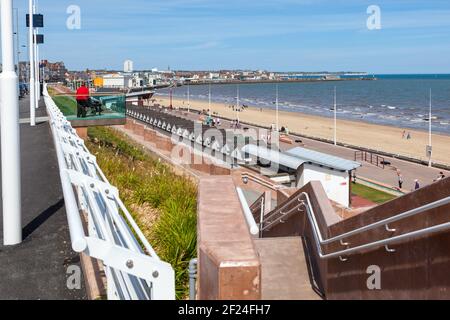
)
(395, 100)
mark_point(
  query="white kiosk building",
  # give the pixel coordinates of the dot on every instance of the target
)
(304, 166)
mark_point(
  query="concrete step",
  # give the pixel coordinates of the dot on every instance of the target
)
(285, 273)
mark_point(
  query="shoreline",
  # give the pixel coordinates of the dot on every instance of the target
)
(280, 81)
(341, 116)
(361, 134)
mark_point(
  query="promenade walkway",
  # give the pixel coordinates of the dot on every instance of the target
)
(410, 171)
(37, 268)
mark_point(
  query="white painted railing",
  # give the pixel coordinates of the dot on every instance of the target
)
(253, 227)
(133, 269)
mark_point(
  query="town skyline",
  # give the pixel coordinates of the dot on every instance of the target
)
(278, 36)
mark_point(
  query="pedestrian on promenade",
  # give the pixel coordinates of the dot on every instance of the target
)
(400, 181)
(417, 185)
(238, 124)
(440, 177)
(82, 98)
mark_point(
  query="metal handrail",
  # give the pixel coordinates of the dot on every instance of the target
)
(256, 179)
(257, 207)
(319, 239)
(253, 227)
(132, 267)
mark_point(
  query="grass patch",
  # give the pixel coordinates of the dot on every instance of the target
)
(163, 204)
(371, 194)
(66, 104)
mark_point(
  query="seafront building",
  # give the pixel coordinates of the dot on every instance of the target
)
(156, 78)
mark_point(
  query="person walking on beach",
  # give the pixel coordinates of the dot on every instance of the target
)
(82, 98)
(403, 134)
(408, 137)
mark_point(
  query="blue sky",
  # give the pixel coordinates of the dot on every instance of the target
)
(282, 35)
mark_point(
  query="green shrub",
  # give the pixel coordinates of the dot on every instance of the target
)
(143, 181)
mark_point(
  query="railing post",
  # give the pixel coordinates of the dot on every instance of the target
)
(32, 65)
(10, 132)
(261, 219)
(193, 279)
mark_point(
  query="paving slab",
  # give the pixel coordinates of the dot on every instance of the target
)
(37, 268)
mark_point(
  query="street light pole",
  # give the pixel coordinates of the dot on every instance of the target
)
(10, 133)
(209, 100)
(189, 98)
(335, 117)
(277, 109)
(17, 47)
(26, 75)
(32, 65)
(430, 145)
(237, 103)
(36, 61)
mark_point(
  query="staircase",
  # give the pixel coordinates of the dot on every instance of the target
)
(284, 270)
(406, 240)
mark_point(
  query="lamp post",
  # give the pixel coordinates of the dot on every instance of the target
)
(22, 77)
(209, 99)
(32, 66)
(237, 103)
(17, 46)
(277, 109)
(430, 145)
(189, 98)
(335, 117)
(16, 33)
(10, 133)
(36, 61)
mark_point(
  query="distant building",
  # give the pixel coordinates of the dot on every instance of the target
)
(119, 81)
(153, 78)
(303, 166)
(98, 82)
(128, 66)
(24, 71)
(53, 72)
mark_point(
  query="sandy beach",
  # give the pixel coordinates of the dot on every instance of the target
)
(377, 137)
